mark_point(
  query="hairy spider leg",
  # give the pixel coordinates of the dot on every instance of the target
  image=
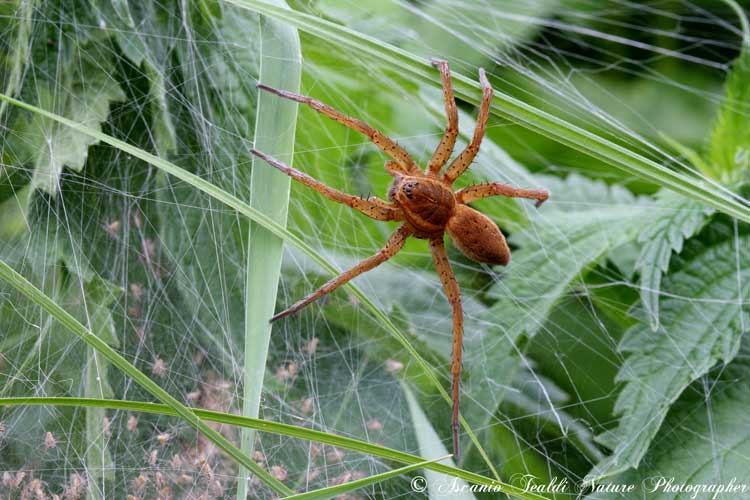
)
(372, 207)
(391, 248)
(443, 267)
(462, 162)
(400, 155)
(444, 150)
(479, 191)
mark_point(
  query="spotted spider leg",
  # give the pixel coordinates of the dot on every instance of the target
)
(391, 248)
(444, 150)
(372, 207)
(462, 162)
(401, 157)
(443, 267)
(479, 191)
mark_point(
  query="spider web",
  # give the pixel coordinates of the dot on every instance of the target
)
(157, 269)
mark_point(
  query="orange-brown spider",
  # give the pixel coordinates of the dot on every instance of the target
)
(426, 204)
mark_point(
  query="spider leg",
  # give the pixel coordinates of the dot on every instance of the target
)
(448, 142)
(400, 155)
(462, 162)
(443, 267)
(391, 248)
(372, 207)
(478, 191)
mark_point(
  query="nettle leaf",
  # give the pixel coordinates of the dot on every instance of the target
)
(729, 143)
(702, 321)
(148, 47)
(73, 77)
(85, 99)
(705, 440)
(676, 219)
(585, 222)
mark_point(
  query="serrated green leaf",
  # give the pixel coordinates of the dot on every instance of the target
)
(702, 321)
(729, 142)
(676, 219)
(82, 89)
(149, 48)
(566, 240)
(704, 441)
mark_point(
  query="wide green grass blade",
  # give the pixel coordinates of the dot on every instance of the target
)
(510, 108)
(280, 429)
(20, 283)
(275, 126)
(273, 227)
(332, 491)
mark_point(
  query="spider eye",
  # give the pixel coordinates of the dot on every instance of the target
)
(408, 188)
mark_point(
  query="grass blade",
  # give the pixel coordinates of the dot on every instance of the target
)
(510, 108)
(20, 283)
(275, 125)
(332, 491)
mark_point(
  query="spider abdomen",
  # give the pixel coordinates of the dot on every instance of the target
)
(477, 236)
(427, 204)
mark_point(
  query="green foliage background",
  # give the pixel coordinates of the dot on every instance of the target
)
(610, 350)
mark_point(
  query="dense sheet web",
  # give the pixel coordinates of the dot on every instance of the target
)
(605, 351)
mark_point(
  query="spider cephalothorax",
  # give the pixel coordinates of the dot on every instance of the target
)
(427, 206)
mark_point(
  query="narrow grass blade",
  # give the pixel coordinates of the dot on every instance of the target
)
(275, 126)
(510, 108)
(280, 429)
(273, 227)
(37, 296)
(332, 491)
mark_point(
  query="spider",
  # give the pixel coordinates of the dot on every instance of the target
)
(427, 206)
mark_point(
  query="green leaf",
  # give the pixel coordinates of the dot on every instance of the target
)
(702, 320)
(555, 253)
(149, 47)
(674, 220)
(705, 440)
(729, 142)
(530, 397)
(82, 88)
(99, 296)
